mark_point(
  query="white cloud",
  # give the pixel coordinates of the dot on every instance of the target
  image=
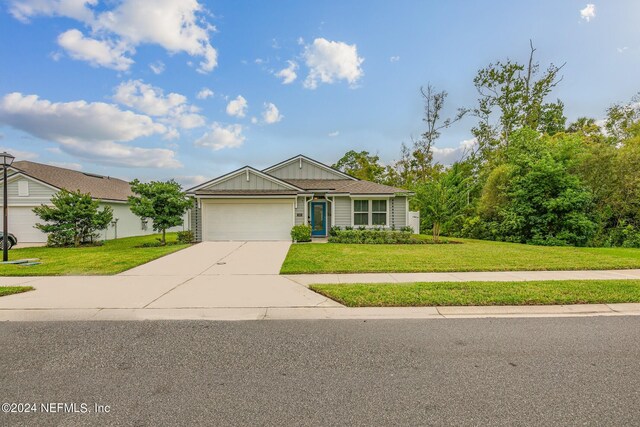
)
(622, 49)
(288, 74)
(19, 154)
(188, 181)
(66, 165)
(175, 25)
(589, 12)
(204, 93)
(254, 120)
(334, 134)
(99, 53)
(157, 67)
(220, 137)
(329, 61)
(237, 107)
(271, 114)
(394, 59)
(449, 155)
(76, 9)
(91, 130)
(172, 109)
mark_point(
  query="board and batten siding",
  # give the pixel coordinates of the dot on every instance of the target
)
(308, 170)
(33, 193)
(240, 182)
(300, 211)
(398, 212)
(343, 212)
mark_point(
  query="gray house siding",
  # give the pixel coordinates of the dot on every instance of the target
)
(300, 211)
(240, 182)
(398, 212)
(308, 170)
(37, 193)
(343, 211)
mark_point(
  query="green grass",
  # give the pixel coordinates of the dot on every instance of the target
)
(471, 255)
(9, 290)
(113, 257)
(482, 293)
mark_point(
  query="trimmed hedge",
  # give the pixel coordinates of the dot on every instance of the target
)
(374, 237)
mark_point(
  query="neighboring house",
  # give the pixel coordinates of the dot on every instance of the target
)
(32, 184)
(250, 204)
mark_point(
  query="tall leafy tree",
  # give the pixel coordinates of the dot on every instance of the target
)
(164, 203)
(73, 219)
(361, 165)
(512, 96)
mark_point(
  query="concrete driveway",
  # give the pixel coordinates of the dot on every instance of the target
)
(209, 275)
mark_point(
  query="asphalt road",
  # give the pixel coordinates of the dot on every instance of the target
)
(566, 371)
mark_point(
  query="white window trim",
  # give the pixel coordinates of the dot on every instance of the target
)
(370, 211)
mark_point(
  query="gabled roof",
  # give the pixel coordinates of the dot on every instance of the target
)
(346, 186)
(98, 186)
(300, 157)
(245, 169)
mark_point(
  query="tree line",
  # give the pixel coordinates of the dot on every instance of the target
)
(530, 177)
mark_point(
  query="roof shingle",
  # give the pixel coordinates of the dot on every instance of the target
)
(345, 186)
(98, 186)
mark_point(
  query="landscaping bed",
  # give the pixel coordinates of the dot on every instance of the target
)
(423, 294)
(114, 256)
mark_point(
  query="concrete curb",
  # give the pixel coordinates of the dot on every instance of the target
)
(318, 313)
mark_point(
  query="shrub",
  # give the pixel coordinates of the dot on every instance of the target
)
(301, 233)
(185, 237)
(406, 229)
(333, 231)
(374, 237)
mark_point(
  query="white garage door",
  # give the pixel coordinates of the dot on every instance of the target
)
(269, 219)
(21, 224)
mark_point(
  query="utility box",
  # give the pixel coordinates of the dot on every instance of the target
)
(414, 221)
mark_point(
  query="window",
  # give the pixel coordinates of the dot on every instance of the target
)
(23, 188)
(378, 212)
(360, 212)
(370, 212)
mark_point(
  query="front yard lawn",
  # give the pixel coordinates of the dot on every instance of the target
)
(471, 255)
(9, 290)
(115, 256)
(482, 293)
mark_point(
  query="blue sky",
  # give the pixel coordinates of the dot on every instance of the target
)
(112, 86)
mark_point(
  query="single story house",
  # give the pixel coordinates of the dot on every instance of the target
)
(32, 184)
(251, 204)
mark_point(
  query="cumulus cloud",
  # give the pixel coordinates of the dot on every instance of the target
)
(99, 53)
(66, 165)
(176, 25)
(449, 155)
(589, 12)
(204, 93)
(237, 107)
(171, 109)
(331, 61)
(157, 67)
(20, 154)
(271, 114)
(220, 137)
(334, 134)
(94, 131)
(288, 74)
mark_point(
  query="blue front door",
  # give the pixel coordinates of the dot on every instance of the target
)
(318, 219)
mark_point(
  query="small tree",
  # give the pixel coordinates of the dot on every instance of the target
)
(74, 218)
(162, 202)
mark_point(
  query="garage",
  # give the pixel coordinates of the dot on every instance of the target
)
(249, 219)
(21, 224)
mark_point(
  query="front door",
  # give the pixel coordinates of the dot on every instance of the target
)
(318, 219)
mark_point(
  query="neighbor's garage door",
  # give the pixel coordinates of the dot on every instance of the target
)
(254, 219)
(21, 224)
